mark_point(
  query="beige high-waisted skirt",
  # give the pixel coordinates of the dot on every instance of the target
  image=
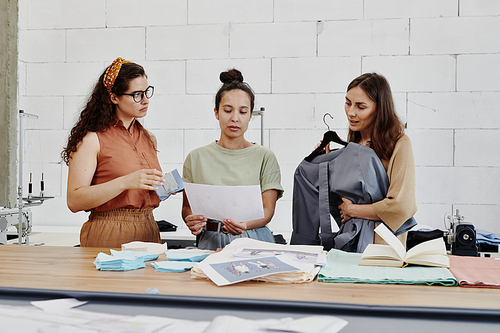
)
(113, 228)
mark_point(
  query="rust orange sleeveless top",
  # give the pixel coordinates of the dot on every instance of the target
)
(123, 152)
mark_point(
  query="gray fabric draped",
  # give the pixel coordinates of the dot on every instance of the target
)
(354, 172)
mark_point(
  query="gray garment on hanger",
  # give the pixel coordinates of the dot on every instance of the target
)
(353, 172)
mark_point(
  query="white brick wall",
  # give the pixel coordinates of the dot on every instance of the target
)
(85, 45)
(202, 76)
(408, 8)
(67, 14)
(364, 37)
(187, 42)
(317, 10)
(440, 57)
(236, 11)
(133, 13)
(454, 35)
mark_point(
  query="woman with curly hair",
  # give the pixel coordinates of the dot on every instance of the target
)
(113, 166)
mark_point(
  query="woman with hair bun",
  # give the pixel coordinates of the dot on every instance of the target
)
(113, 166)
(232, 161)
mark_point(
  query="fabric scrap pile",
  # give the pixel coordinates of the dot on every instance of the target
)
(123, 260)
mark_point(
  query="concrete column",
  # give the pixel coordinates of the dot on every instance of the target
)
(8, 102)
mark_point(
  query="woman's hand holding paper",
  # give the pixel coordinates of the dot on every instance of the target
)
(195, 223)
(233, 227)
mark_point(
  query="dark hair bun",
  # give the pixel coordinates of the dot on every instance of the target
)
(231, 76)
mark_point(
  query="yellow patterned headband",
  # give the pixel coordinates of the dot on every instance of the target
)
(112, 72)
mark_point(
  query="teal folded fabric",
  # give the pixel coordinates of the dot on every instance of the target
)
(343, 267)
(185, 256)
(172, 266)
(132, 255)
(106, 262)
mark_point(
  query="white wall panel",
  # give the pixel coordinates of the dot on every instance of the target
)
(307, 75)
(459, 35)
(236, 11)
(317, 10)
(42, 45)
(105, 44)
(281, 40)
(66, 14)
(203, 75)
(410, 8)
(186, 42)
(364, 37)
(417, 73)
(478, 72)
(141, 13)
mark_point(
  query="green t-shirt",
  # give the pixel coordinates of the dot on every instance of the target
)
(215, 165)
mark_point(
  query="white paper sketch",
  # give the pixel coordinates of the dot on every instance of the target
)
(239, 203)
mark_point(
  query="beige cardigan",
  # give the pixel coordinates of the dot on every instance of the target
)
(400, 203)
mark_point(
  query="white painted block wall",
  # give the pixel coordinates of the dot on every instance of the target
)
(441, 58)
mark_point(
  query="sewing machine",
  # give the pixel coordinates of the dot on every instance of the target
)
(10, 217)
(20, 216)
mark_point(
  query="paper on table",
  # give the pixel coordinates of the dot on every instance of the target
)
(301, 256)
(235, 271)
(239, 203)
(58, 305)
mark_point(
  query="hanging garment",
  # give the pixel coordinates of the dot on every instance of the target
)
(353, 172)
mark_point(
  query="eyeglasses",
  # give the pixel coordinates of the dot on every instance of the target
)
(139, 95)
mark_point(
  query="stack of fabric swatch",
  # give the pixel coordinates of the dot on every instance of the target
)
(123, 260)
(343, 267)
(179, 260)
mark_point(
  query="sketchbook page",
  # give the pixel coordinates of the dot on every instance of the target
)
(430, 247)
(380, 255)
(239, 203)
(436, 260)
(300, 256)
(390, 239)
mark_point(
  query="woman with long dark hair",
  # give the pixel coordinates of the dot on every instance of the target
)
(373, 122)
(113, 166)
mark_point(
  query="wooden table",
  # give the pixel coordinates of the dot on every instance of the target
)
(69, 271)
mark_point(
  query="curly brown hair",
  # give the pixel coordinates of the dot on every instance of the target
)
(388, 128)
(100, 112)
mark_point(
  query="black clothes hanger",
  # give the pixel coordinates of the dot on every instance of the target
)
(329, 136)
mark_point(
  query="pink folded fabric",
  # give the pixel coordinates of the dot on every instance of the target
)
(476, 272)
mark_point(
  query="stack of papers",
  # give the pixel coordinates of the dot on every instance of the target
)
(122, 260)
(249, 259)
(145, 246)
